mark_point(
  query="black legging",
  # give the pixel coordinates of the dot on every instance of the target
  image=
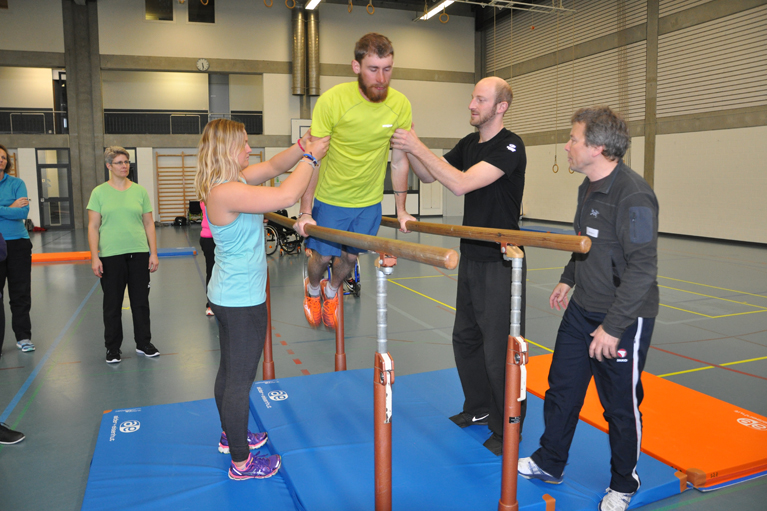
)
(17, 269)
(208, 247)
(241, 333)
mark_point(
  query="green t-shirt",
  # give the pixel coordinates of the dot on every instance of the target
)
(353, 170)
(122, 227)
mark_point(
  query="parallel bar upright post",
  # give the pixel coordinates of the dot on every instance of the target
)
(382, 392)
(268, 357)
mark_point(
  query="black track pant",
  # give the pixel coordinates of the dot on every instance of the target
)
(208, 247)
(17, 270)
(619, 387)
(241, 333)
(480, 336)
(122, 270)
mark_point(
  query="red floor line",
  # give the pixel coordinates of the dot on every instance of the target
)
(9, 368)
(297, 361)
(290, 352)
(283, 343)
(305, 372)
(709, 363)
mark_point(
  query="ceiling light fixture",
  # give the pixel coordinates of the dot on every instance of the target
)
(312, 5)
(436, 9)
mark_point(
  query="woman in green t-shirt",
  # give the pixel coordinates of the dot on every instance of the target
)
(123, 252)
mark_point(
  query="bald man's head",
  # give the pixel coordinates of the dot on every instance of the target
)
(502, 89)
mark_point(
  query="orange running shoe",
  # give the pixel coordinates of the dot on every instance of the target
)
(329, 305)
(312, 306)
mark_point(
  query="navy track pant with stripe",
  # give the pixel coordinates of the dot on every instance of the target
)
(618, 385)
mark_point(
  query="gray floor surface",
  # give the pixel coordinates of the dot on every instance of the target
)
(713, 312)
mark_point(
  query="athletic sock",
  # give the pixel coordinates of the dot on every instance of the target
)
(330, 291)
(313, 290)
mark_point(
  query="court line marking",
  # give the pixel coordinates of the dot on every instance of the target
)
(714, 297)
(720, 366)
(713, 287)
(425, 296)
(711, 367)
(15, 401)
(712, 317)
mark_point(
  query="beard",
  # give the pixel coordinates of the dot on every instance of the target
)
(481, 120)
(374, 95)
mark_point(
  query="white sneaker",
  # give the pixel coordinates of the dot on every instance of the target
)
(615, 501)
(528, 469)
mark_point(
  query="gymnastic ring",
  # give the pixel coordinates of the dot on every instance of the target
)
(271, 3)
(351, 6)
(288, 6)
(204, 2)
(555, 168)
(570, 170)
(370, 9)
(446, 15)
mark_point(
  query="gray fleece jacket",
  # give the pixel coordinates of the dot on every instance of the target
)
(618, 275)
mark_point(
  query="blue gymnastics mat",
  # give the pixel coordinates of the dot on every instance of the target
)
(322, 425)
(166, 457)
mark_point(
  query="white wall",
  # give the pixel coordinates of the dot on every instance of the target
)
(42, 18)
(244, 29)
(246, 92)
(146, 175)
(140, 90)
(26, 87)
(279, 105)
(423, 45)
(713, 183)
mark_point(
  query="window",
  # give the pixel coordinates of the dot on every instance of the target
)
(202, 11)
(159, 10)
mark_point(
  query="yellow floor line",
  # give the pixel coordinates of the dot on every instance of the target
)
(714, 297)
(421, 294)
(713, 287)
(713, 317)
(711, 367)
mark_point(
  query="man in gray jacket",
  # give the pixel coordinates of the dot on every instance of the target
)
(606, 328)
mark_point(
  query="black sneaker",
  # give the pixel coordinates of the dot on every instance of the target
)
(494, 444)
(148, 351)
(9, 436)
(113, 356)
(465, 419)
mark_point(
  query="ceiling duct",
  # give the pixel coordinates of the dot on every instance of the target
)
(299, 53)
(313, 52)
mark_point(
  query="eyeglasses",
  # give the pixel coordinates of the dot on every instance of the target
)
(120, 163)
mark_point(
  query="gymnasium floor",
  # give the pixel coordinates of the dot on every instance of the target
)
(711, 335)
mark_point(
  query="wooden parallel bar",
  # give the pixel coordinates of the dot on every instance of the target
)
(435, 256)
(566, 242)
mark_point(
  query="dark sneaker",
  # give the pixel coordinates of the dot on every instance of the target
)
(258, 467)
(148, 351)
(465, 419)
(528, 469)
(255, 440)
(114, 356)
(494, 444)
(615, 501)
(9, 436)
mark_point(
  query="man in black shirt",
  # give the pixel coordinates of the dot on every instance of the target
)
(488, 168)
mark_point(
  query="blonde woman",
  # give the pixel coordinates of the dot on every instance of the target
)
(237, 287)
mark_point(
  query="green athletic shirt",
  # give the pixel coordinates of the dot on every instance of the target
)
(353, 170)
(122, 227)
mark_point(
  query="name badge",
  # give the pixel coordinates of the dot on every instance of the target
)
(594, 233)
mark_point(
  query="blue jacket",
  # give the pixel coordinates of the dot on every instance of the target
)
(12, 219)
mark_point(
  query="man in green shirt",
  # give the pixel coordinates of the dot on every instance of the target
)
(360, 118)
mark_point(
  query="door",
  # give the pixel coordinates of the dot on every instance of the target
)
(54, 184)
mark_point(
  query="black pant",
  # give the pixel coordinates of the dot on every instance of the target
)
(17, 269)
(241, 333)
(619, 387)
(481, 334)
(121, 270)
(208, 247)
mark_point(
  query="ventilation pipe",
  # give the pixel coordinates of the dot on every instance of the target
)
(299, 53)
(313, 52)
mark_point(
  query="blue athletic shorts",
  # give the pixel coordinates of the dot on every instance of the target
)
(360, 220)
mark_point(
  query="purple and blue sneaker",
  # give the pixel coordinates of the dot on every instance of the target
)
(255, 440)
(258, 467)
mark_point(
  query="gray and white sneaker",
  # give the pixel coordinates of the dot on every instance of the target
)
(25, 345)
(615, 501)
(528, 469)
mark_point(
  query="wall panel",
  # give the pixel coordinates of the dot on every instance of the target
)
(32, 26)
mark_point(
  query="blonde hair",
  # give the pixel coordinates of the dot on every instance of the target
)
(112, 152)
(217, 151)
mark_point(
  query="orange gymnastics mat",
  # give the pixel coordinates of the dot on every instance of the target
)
(715, 443)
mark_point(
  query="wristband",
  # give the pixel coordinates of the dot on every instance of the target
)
(312, 158)
(302, 214)
(311, 162)
(300, 146)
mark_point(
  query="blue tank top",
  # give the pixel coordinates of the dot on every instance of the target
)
(239, 275)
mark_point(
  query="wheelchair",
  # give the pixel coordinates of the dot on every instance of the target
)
(277, 236)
